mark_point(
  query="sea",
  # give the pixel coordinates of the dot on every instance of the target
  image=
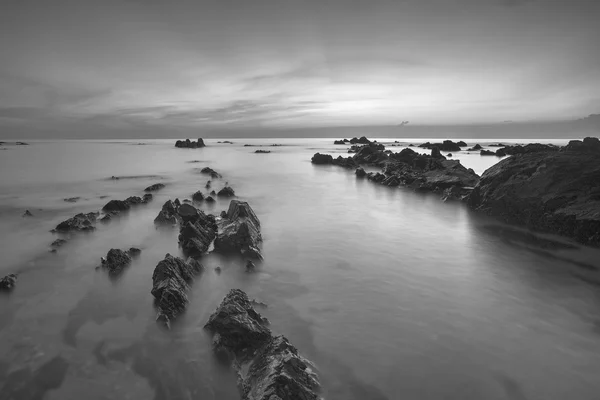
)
(392, 294)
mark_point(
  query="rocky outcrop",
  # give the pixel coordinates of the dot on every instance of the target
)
(226, 192)
(188, 144)
(487, 153)
(461, 143)
(168, 214)
(171, 281)
(587, 145)
(80, 222)
(8, 282)
(339, 142)
(361, 140)
(477, 147)
(551, 191)
(115, 262)
(209, 171)
(197, 232)
(323, 159)
(530, 148)
(155, 187)
(446, 145)
(198, 196)
(360, 172)
(239, 232)
(275, 368)
(72, 199)
(124, 205)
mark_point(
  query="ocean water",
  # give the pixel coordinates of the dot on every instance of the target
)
(393, 294)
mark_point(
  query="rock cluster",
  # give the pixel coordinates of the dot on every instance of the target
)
(529, 148)
(198, 230)
(188, 144)
(446, 145)
(124, 205)
(239, 232)
(80, 222)
(209, 171)
(8, 282)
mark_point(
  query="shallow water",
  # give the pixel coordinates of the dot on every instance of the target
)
(392, 294)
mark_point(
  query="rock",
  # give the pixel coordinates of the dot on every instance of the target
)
(435, 152)
(226, 142)
(8, 282)
(588, 145)
(362, 140)
(462, 144)
(370, 154)
(252, 252)
(449, 155)
(198, 196)
(240, 231)
(487, 153)
(188, 144)
(168, 214)
(155, 187)
(187, 201)
(116, 205)
(223, 214)
(107, 217)
(262, 151)
(339, 142)
(188, 212)
(27, 213)
(348, 162)
(209, 199)
(197, 232)
(360, 173)
(209, 171)
(551, 191)
(446, 145)
(171, 281)
(226, 192)
(218, 270)
(207, 186)
(22, 144)
(134, 251)
(477, 147)
(322, 159)
(80, 222)
(250, 267)
(72, 199)
(530, 148)
(147, 198)
(58, 243)
(456, 193)
(239, 330)
(116, 261)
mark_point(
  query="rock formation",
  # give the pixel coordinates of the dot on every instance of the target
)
(116, 261)
(8, 282)
(198, 230)
(168, 214)
(188, 144)
(239, 232)
(155, 187)
(80, 222)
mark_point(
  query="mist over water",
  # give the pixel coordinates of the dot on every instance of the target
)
(393, 294)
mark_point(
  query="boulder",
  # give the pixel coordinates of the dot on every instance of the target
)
(116, 205)
(198, 196)
(587, 145)
(446, 145)
(188, 144)
(477, 147)
(487, 153)
(319, 158)
(339, 142)
(348, 162)
(80, 222)
(188, 212)
(209, 171)
(155, 187)
(209, 199)
(168, 214)
(197, 233)
(171, 281)
(8, 282)
(462, 144)
(556, 192)
(360, 172)
(226, 192)
(252, 252)
(240, 231)
(116, 261)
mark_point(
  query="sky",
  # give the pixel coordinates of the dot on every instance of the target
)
(155, 68)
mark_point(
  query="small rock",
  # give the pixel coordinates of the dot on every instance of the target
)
(226, 192)
(487, 153)
(209, 171)
(27, 213)
(223, 214)
(198, 196)
(72, 199)
(8, 282)
(250, 266)
(360, 172)
(218, 270)
(213, 193)
(134, 251)
(207, 186)
(116, 260)
(322, 159)
(209, 199)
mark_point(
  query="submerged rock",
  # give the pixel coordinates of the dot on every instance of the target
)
(226, 192)
(319, 158)
(8, 282)
(171, 281)
(188, 144)
(198, 196)
(209, 171)
(557, 192)
(487, 153)
(80, 222)
(27, 213)
(240, 231)
(72, 199)
(155, 187)
(116, 261)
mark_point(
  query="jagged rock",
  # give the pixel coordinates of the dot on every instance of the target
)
(252, 252)
(197, 232)
(477, 147)
(108, 217)
(209, 171)
(348, 162)
(209, 199)
(360, 173)
(198, 196)
(372, 153)
(339, 142)
(376, 177)
(147, 198)
(27, 213)
(8, 282)
(530, 148)
(319, 158)
(116, 261)
(72, 199)
(240, 231)
(226, 192)
(155, 187)
(171, 281)
(548, 191)
(362, 140)
(80, 222)
(456, 193)
(188, 144)
(168, 214)
(487, 153)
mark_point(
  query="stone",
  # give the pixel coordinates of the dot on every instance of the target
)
(218, 270)
(462, 144)
(362, 140)
(134, 252)
(27, 213)
(226, 192)
(252, 252)
(587, 145)
(80, 222)
(209, 199)
(198, 196)
(446, 145)
(339, 142)
(155, 187)
(171, 281)
(322, 159)
(449, 155)
(188, 212)
(116, 205)
(116, 261)
(529, 148)
(240, 231)
(209, 171)
(72, 199)
(188, 144)
(8, 282)
(207, 186)
(477, 147)
(360, 173)
(435, 152)
(197, 233)
(168, 214)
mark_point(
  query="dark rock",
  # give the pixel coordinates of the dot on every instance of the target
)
(477, 147)
(22, 144)
(107, 217)
(456, 193)
(168, 214)
(147, 198)
(446, 145)
(339, 142)
(527, 149)
(188, 212)
(134, 251)
(322, 159)
(548, 191)
(449, 155)
(360, 173)
(213, 193)
(226, 192)
(497, 145)
(240, 231)
(226, 142)
(262, 151)
(155, 187)
(218, 270)
(187, 201)
(209, 199)
(487, 153)
(80, 222)
(117, 205)
(250, 267)
(171, 281)
(72, 199)
(198, 196)
(462, 144)
(207, 186)
(376, 177)
(348, 162)
(58, 243)
(435, 152)
(197, 233)
(116, 261)
(370, 154)
(252, 252)
(188, 144)
(223, 214)
(8, 282)
(209, 171)
(588, 145)
(27, 213)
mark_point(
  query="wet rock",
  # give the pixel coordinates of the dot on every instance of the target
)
(487, 153)
(461, 144)
(58, 243)
(548, 191)
(226, 192)
(155, 187)
(168, 214)
(8, 282)
(72, 199)
(197, 232)
(188, 144)
(477, 147)
(198, 196)
(587, 145)
(262, 151)
(250, 267)
(209, 199)
(456, 193)
(116, 261)
(446, 145)
(27, 213)
(527, 149)
(339, 142)
(134, 252)
(209, 171)
(322, 159)
(240, 231)
(80, 222)
(213, 193)
(360, 173)
(171, 281)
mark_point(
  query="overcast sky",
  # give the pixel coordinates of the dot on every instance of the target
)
(108, 67)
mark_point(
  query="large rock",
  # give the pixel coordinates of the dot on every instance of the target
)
(188, 144)
(171, 281)
(319, 158)
(197, 231)
(8, 282)
(549, 191)
(240, 231)
(226, 192)
(209, 171)
(124, 205)
(168, 214)
(80, 222)
(446, 145)
(155, 187)
(588, 145)
(116, 261)
(530, 148)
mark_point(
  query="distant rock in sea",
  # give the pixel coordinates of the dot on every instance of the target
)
(155, 187)
(188, 144)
